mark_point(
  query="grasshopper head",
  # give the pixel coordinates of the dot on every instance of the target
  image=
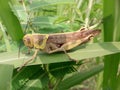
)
(28, 40)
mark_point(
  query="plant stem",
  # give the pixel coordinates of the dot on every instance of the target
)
(57, 83)
(88, 13)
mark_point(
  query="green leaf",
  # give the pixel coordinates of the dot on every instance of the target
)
(47, 20)
(30, 78)
(111, 33)
(19, 11)
(10, 21)
(118, 82)
(79, 77)
(43, 20)
(39, 4)
(5, 76)
(79, 53)
(59, 70)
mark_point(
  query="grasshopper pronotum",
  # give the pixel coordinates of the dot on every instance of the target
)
(51, 43)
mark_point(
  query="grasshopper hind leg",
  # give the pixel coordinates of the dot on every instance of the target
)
(32, 58)
(52, 48)
(68, 55)
(56, 48)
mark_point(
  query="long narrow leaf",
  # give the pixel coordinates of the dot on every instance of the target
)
(10, 21)
(79, 77)
(88, 51)
(111, 33)
(5, 76)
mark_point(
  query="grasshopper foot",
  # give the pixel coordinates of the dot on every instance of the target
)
(73, 59)
(69, 56)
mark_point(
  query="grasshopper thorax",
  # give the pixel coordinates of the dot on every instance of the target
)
(28, 40)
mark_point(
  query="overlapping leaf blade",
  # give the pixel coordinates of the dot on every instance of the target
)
(79, 77)
(79, 53)
(6, 76)
(111, 33)
(30, 78)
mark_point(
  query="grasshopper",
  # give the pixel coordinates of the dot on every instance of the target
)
(51, 43)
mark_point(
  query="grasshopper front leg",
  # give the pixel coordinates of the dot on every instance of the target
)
(32, 58)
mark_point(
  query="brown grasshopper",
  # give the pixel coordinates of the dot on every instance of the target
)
(51, 43)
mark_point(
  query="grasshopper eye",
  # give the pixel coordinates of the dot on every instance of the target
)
(28, 41)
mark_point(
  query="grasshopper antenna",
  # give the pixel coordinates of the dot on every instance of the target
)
(19, 51)
(20, 45)
(29, 23)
